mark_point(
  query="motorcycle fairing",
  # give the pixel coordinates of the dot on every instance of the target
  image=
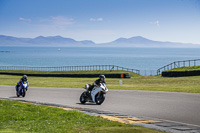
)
(94, 92)
(23, 85)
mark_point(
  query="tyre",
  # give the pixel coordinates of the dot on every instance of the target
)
(82, 98)
(17, 94)
(23, 93)
(17, 89)
(99, 98)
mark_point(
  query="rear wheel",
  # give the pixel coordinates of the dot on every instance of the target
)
(82, 98)
(99, 98)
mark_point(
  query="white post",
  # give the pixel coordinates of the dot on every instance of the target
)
(120, 82)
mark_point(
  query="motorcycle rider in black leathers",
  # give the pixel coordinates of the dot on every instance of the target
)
(97, 82)
(23, 79)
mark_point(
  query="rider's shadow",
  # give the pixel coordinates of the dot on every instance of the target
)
(14, 97)
(86, 104)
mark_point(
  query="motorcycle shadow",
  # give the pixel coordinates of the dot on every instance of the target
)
(87, 103)
(14, 97)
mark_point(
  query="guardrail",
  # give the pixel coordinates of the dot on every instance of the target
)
(178, 64)
(70, 68)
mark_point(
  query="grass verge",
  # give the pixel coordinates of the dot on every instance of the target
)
(24, 117)
(147, 83)
(191, 68)
(136, 82)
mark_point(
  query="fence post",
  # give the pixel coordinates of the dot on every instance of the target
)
(158, 71)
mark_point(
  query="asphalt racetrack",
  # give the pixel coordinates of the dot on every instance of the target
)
(172, 106)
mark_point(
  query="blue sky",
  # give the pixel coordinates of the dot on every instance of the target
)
(102, 20)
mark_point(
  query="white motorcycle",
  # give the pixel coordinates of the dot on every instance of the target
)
(97, 95)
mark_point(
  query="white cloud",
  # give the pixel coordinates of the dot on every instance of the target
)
(92, 19)
(96, 19)
(157, 23)
(100, 19)
(61, 21)
(24, 19)
(56, 22)
(53, 25)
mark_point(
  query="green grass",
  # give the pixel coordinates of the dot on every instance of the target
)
(136, 82)
(186, 68)
(23, 117)
(150, 83)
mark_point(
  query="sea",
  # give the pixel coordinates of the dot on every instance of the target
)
(147, 60)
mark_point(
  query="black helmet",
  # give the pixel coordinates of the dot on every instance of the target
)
(102, 77)
(24, 77)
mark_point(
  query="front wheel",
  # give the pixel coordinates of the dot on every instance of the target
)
(99, 98)
(17, 92)
(23, 92)
(82, 98)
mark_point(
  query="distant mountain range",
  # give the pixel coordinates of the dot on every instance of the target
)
(43, 41)
(139, 41)
(59, 41)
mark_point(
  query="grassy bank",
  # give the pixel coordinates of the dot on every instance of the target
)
(186, 68)
(150, 83)
(23, 117)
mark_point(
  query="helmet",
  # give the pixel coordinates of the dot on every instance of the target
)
(102, 77)
(24, 77)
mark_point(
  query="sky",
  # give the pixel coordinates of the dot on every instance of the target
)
(102, 20)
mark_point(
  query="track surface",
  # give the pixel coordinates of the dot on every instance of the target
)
(178, 107)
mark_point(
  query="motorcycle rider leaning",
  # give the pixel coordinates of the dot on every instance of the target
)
(97, 82)
(23, 79)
